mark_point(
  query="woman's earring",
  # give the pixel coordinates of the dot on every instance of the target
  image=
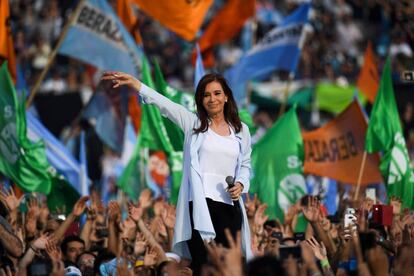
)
(225, 101)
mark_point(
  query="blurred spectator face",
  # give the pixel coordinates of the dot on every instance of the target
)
(74, 249)
(52, 225)
(85, 263)
(289, 242)
(171, 269)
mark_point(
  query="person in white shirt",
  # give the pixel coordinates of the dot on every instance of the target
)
(217, 145)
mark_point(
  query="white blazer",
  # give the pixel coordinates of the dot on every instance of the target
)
(191, 183)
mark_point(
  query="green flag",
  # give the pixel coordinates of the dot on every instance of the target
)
(385, 134)
(62, 196)
(277, 161)
(175, 134)
(246, 118)
(153, 132)
(130, 180)
(21, 160)
(155, 136)
(335, 98)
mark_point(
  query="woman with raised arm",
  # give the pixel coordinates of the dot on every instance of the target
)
(217, 145)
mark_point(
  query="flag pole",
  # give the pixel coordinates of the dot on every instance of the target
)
(291, 75)
(361, 170)
(286, 94)
(253, 30)
(53, 54)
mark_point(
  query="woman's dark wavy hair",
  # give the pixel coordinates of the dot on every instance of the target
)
(231, 113)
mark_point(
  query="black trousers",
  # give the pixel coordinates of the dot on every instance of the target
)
(222, 216)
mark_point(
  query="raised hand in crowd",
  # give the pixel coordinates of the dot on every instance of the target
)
(251, 205)
(77, 211)
(44, 213)
(33, 249)
(145, 199)
(128, 228)
(9, 199)
(168, 216)
(32, 216)
(53, 250)
(150, 257)
(159, 207)
(80, 206)
(396, 204)
(140, 244)
(311, 210)
(291, 215)
(40, 243)
(58, 268)
(258, 247)
(260, 218)
(114, 226)
(226, 261)
(87, 233)
(135, 212)
(308, 257)
(114, 212)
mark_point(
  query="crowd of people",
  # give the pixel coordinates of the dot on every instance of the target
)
(134, 238)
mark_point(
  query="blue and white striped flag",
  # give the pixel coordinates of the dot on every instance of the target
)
(279, 49)
(199, 67)
(57, 154)
(98, 37)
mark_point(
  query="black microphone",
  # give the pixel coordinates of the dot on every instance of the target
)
(230, 184)
(230, 181)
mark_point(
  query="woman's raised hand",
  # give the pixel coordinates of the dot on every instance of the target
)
(119, 78)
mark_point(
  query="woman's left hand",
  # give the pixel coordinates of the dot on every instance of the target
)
(236, 191)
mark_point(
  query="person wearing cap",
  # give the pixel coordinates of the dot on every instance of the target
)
(217, 145)
(73, 271)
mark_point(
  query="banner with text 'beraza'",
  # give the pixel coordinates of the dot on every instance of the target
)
(335, 150)
(98, 37)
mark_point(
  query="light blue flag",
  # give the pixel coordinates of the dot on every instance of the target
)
(331, 198)
(57, 154)
(84, 166)
(278, 50)
(130, 139)
(98, 37)
(326, 189)
(199, 68)
(108, 108)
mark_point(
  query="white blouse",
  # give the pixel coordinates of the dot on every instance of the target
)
(218, 159)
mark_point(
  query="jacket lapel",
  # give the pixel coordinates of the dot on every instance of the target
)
(196, 142)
